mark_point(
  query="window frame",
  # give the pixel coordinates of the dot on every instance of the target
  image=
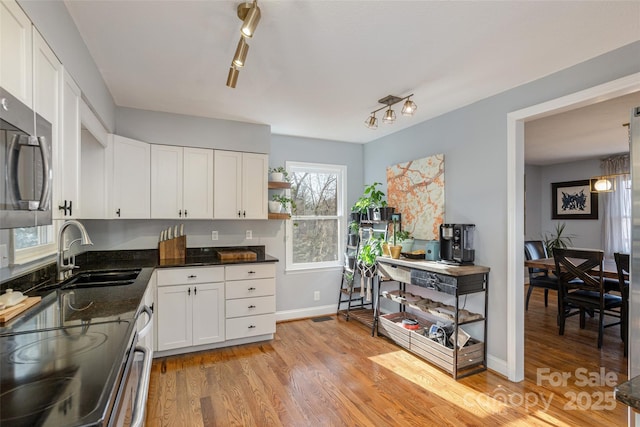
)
(341, 188)
(34, 253)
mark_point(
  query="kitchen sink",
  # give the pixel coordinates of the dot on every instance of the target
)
(101, 278)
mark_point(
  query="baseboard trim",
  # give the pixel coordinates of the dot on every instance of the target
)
(302, 313)
(498, 365)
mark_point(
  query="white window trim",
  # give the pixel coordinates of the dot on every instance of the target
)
(23, 256)
(341, 217)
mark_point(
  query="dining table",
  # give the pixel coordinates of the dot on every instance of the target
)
(609, 269)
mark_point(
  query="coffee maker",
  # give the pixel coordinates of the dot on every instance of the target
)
(456, 244)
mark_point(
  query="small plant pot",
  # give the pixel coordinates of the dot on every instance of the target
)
(276, 176)
(395, 251)
(407, 245)
(351, 262)
(374, 214)
(275, 206)
(386, 213)
(352, 240)
(385, 250)
(356, 216)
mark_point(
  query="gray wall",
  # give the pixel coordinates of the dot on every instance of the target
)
(474, 142)
(174, 129)
(588, 233)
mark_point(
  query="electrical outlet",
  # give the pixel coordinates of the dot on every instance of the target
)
(214, 235)
(316, 296)
(249, 235)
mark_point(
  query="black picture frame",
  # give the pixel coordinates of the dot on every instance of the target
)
(573, 200)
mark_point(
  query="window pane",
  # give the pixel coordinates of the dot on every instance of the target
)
(315, 193)
(316, 240)
(28, 237)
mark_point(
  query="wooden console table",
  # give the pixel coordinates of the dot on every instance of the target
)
(446, 280)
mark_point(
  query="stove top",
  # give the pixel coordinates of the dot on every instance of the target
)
(42, 373)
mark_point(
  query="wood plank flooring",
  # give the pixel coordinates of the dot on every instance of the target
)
(333, 373)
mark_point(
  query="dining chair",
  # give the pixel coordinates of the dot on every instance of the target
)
(622, 265)
(581, 288)
(538, 277)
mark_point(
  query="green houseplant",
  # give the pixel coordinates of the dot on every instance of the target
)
(285, 202)
(278, 174)
(558, 239)
(373, 203)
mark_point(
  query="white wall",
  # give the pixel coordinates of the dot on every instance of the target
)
(474, 142)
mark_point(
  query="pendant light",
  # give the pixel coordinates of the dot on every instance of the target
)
(241, 53)
(232, 78)
(249, 14)
(250, 19)
(389, 117)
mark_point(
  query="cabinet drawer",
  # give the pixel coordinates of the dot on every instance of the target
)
(250, 288)
(250, 306)
(186, 276)
(250, 271)
(250, 326)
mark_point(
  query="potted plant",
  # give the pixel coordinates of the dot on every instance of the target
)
(367, 256)
(405, 239)
(278, 174)
(557, 239)
(395, 249)
(354, 228)
(284, 202)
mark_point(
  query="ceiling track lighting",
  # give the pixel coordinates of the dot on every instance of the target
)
(408, 109)
(249, 14)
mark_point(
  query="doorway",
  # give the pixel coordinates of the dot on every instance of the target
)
(515, 203)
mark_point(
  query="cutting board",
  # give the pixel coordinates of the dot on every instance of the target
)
(11, 312)
(236, 255)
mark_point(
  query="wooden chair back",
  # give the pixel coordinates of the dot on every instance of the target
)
(579, 269)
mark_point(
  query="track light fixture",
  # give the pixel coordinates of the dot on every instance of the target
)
(249, 14)
(408, 109)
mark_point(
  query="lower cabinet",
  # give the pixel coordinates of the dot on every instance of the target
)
(190, 307)
(216, 306)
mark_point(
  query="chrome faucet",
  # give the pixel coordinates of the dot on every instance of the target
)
(64, 270)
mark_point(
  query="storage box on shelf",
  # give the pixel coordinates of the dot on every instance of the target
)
(446, 281)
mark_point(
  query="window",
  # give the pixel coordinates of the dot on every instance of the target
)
(315, 233)
(31, 243)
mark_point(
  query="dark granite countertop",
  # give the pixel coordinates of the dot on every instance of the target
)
(629, 393)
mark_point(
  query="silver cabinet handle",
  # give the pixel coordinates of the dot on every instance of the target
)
(147, 326)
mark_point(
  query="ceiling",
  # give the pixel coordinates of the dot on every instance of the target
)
(317, 68)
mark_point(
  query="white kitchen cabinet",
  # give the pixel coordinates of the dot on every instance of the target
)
(250, 300)
(181, 182)
(240, 185)
(66, 201)
(16, 64)
(130, 178)
(190, 307)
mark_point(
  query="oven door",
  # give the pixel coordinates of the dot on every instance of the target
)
(132, 401)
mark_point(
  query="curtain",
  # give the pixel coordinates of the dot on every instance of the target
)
(617, 206)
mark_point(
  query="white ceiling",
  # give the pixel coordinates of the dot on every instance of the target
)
(317, 68)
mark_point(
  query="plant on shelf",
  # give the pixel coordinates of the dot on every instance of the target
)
(557, 239)
(278, 174)
(354, 227)
(369, 252)
(285, 202)
(376, 197)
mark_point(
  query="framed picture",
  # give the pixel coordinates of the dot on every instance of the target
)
(573, 200)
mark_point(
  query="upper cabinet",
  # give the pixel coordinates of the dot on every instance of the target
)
(131, 183)
(16, 67)
(181, 182)
(66, 202)
(240, 185)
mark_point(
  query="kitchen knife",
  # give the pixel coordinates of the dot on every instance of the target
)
(169, 233)
(182, 229)
(175, 232)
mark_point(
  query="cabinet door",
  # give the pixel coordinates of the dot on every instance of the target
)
(197, 196)
(227, 185)
(68, 171)
(208, 313)
(254, 185)
(174, 317)
(166, 181)
(16, 66)
(131, 178)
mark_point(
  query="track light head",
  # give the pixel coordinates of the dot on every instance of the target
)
(371, 122)
(232, 78)
(241, 53)
(389, 116)
(249, 13)
(409, 108)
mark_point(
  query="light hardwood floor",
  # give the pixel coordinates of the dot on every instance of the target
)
(333, 373)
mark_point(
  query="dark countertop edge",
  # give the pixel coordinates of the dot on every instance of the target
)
(629, 393)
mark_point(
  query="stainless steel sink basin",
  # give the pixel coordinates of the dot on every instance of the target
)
(101, 278)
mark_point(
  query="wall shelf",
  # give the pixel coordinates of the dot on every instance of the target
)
(279, 185)
(279, 215)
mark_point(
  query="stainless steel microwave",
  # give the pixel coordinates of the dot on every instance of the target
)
(25, 158)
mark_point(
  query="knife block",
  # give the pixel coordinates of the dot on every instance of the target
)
(173, 249)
